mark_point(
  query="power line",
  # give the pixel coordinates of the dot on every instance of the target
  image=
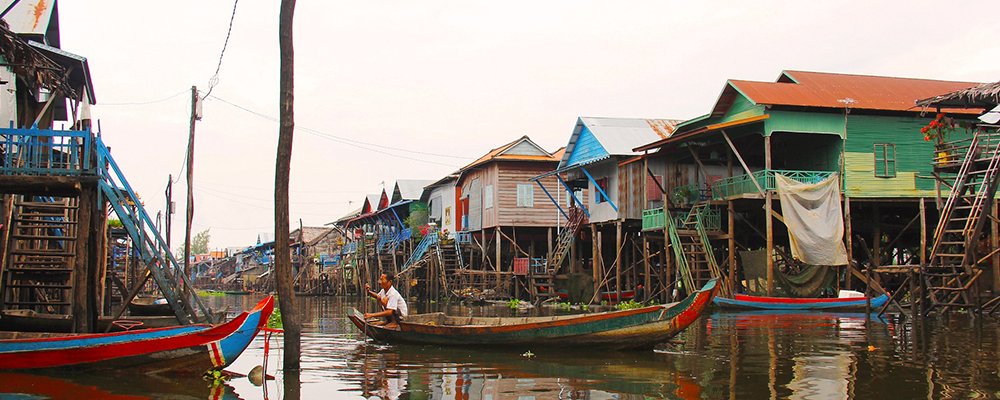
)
(214, 80)
(352, 142)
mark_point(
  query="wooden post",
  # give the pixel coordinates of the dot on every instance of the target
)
(668, 266)
(647, 279)
(770, 220)
(995, 244)
(732, 246)
(594, 262)
(80, 307)
(876, 237)
(190, 187)
(923, 232)
(618, 261)
(290, 314)
(848, 241)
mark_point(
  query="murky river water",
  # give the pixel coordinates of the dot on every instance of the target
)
(748, 355)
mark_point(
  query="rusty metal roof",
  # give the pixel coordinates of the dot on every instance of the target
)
(503, 153)
(828, 90)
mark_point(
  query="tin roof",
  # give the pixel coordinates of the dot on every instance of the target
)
(409, 189)
(829, 90)
(618, 136)
(507, 153)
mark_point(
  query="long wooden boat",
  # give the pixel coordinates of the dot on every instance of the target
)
(32, 321)
(747, 302)
(186, 348)
(637, 328)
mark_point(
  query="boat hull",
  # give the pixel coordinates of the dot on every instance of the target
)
(192, 348)
(638, 328)
(745, 302)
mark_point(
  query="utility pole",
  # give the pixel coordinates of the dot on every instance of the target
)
(195, 116)
(169, 193)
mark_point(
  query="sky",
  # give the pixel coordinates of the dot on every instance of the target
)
(390, 90)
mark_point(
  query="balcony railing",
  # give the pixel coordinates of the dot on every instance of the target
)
(655, 219)
(34, 151)
(743, 184)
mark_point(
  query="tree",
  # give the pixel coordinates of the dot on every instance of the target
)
(199, 245)
(282, 166)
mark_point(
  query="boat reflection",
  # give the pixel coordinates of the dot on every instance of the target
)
(465, 373)
(109, 387)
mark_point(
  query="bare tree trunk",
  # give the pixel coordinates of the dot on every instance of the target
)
(282, 257)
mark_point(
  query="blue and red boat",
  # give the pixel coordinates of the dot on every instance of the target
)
(186, 348)
(747, 302)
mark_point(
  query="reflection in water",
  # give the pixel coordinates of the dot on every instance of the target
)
(727, 355)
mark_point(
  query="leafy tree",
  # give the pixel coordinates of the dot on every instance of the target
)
(199, 244)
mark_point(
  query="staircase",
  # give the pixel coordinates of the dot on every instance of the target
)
(952, 271)
(147, 242)
(565, 240)
(40, 255)
(542, 280)
(693, 251)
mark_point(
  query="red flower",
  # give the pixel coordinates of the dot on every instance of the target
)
(939, 116)
(933, 124)
(927, 138)
(924, 130)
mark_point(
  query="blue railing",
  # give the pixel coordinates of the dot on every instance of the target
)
(33, 151)
(141, 229)
(421, 249)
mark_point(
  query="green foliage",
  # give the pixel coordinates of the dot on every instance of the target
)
(416, 220)
(199, 245)
(115, 223)
(274, 321)
(564, 306)
(628, 305)
(513, 303)
(210, 293)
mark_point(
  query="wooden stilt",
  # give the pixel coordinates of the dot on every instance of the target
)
(732, 245)
(995, 244)
(595, 263)
(770, 220)
(647, 269)
(618, 261)
(81, 308)
(848, 234)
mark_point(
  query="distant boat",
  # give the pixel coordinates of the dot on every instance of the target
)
(150, 306)
(185, 348)
(747, 302)
(628, 329)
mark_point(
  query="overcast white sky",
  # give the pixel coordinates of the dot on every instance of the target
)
(455, 78)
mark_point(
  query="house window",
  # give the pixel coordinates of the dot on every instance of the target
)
(885, 160)
(603, 184)
(488, 196)
(525, 195)
(653, 192)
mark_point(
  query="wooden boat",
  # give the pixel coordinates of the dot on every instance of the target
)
(150, 306)
(185, 348)
(32, 321)
(637, 328)
(747, 302)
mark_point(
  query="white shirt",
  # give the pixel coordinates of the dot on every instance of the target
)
(395, 302)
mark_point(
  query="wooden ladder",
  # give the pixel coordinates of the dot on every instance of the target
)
(40, 255)
(951, 272)
(694, 251)
(566, 238)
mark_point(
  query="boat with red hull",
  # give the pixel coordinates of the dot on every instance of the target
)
(628, 329)
(747, 302)
(186, 348)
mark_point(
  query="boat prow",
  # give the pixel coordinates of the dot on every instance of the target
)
(186, 348)
(637, 328)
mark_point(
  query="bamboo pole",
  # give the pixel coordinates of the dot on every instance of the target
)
(770, 221)
(618, 262)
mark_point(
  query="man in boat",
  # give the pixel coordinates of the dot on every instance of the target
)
(394, 307)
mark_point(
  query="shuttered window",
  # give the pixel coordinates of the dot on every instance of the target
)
(488, 196)
(525, 195)
(885, 160)
(653, 192)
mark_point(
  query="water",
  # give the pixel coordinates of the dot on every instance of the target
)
(747, 355)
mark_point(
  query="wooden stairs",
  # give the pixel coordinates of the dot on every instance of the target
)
(541, 282)
(951, 273)
(40, 255)
(693, 251)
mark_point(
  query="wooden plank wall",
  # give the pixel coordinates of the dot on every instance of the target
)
(631, 190)
(543, 213)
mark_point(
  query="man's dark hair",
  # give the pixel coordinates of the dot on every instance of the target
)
(389, 276)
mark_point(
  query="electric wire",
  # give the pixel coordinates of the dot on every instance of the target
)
(214, 80)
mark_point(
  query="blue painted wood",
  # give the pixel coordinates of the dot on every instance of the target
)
(599, 189)
(587, 148)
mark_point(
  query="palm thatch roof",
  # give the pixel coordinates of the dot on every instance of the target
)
(984, 96)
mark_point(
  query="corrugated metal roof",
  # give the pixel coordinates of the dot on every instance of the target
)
(619, 136)
(826, 90)
(410, 189)
(499, 154)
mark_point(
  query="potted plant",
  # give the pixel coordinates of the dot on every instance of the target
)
(938, 130)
